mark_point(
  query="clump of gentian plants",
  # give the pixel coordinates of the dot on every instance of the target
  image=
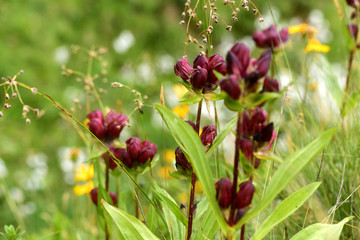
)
(242, 82)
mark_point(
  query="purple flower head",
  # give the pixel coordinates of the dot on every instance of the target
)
(94, 196)
(223, 192)
(353, 30)
(183, 69)
(148, 151)
(353, 3)
(245, 194)
(119, 153)
(97, 114)
(258, 120)
(133, 147)
(246, 147)
(208, 135)
(270, 85)
(115, 122)
(269, 38)
(200, 61)
(231, 86)
(198, 78)
(181, 160)
(238, 59)
(265, 134)
(96, 126)
(217, 63)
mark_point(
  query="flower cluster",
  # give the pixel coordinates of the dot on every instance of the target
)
(270, 38)
(94, 196)
(201, 74)
(256, 135)
(243, 196)
(109, 128)
(245, 73)
(136, 153)
(207, 137)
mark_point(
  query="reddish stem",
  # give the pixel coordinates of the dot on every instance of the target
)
(236, 172)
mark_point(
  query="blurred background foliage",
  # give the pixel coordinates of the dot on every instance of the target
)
(144, 39)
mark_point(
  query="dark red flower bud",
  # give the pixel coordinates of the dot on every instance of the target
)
(107, 157)
(96, 114)
(265, 134)
(239, 214)
(247, 149)
(273, 137)
(217, 63)
(353, 30)
(270, 85)
(198, 78)
(263, 63)
(181, 160)
(200, 61)
(260, 39)
(94, 196)
(192, 124)
(269, 38)
(96, 126)
(231, 86)
(258, 120)
(115, 122)
(208, 135)
(133, 148)
(113, 198)
(284, 35)
(123, 156)
(353, 3)
(245, 194)
(244, 124)
(183, 69)
(223, 192)
(238, 59)
(148, 151)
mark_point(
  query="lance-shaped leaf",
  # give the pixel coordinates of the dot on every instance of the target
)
(124, 226)
(287, 171)
(319, 231)
(192, 147)
(285, 209)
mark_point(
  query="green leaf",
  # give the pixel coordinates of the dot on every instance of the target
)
(191, 145)
(351, 102)
(232, 104)
(124, 226)
(255, 99)
(169, 202)
(319, 231)
(220, 138)
(212, 96)
(285, 209)
(205, 221)
(191, 97)
(270, 156)
(287, 171)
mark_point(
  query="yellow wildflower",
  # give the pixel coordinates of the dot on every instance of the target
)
(181, 110)
(164, 172)
(169, 155)
(85, 174)
(183, 197)
(302, 28)
(179, 90)
(84, 188)
(315, 45)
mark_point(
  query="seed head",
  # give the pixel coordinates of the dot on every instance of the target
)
(261, 20)
(228, 28)
(36, 111)
(7, 96)
(1, 114)
(33, 90)
(25, 108)
(28, 121)
(14, 95)
(182, 22)
(7, 105)
(21, 71)
(246, 8)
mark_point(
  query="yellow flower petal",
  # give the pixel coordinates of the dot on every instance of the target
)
(179, 90)
(84, 189)
(164, 172)
(84, 172)
(316, 46)
(183, 197)
(198, 187)
(298, 28)
(169, 155)
(181, 110)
